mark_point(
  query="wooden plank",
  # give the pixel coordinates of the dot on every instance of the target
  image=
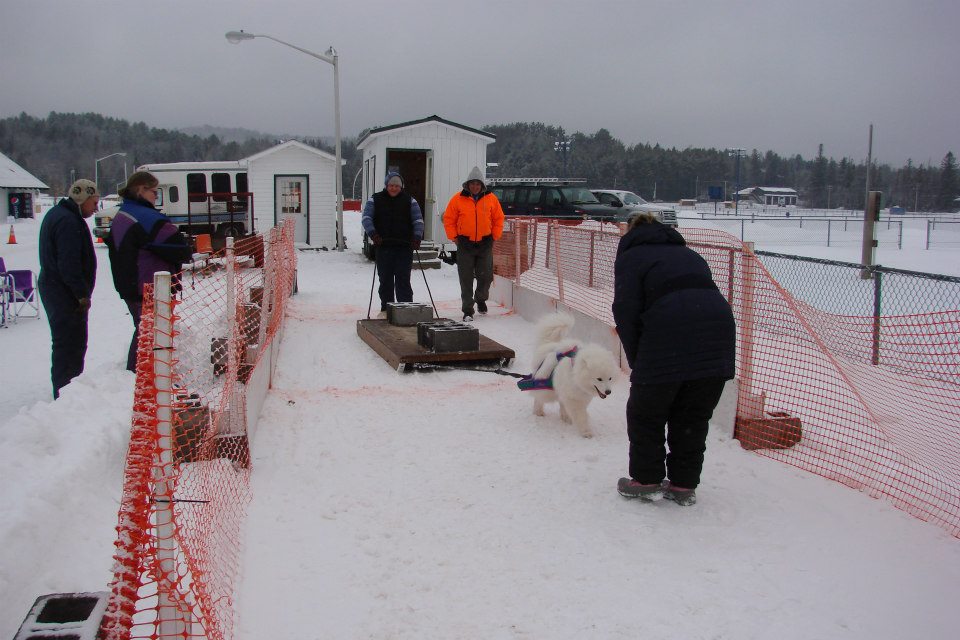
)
(399, 346)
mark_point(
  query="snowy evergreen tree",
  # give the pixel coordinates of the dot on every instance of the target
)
(949, 185)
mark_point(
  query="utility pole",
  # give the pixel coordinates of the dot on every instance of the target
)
(871, 211)
(736, 196)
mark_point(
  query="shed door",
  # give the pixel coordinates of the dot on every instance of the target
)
(412, 164)
(291, 202)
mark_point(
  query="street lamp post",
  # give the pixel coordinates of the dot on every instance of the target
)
(331, 58)
(96, 167)
(355, 178)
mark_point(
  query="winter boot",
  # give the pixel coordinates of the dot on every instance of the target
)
(632, 489)
(681, 495)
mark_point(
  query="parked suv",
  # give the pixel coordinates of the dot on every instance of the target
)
(629, 204)
(550, 199)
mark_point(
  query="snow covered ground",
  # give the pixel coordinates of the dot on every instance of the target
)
(434, 505)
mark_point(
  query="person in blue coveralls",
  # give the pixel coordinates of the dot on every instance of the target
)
(68, 273)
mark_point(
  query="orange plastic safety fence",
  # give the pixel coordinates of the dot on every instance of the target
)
(186, 485)
(813, 391)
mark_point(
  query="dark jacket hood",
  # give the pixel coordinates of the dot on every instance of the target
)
(653, 233)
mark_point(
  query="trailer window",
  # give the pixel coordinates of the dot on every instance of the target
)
(220, 184)
(174, 193)
(197, 187)
(242, 183)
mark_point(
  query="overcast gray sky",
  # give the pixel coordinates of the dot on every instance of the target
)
(783, 75)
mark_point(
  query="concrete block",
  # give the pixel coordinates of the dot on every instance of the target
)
(453, 337)
(422, 338)
(408, 314)
(64, 616)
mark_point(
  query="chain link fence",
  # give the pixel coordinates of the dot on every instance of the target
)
(849, 372)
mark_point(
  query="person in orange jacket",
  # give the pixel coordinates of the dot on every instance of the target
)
(474, 219)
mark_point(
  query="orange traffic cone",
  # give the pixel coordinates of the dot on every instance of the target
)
(13, 237)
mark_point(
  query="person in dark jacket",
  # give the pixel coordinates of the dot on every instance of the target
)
(141, 242)
(394, 223)
(679, 336)
(68, 273)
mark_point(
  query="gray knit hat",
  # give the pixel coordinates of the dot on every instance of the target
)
(475, 174)
(390, 175)
(83, 189)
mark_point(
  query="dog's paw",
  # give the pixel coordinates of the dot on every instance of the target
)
(586, 434)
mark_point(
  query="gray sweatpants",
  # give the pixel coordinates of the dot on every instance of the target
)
(474, 261)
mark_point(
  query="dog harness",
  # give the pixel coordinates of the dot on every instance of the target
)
(529, 383)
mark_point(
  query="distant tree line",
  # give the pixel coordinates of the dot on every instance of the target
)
(526, 149)
(64, 146)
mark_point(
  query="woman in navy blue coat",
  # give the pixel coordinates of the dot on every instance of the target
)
(678, 334)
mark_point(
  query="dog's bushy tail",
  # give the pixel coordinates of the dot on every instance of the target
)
(554, 327)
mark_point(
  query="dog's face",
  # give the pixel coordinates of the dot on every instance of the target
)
(595, 370)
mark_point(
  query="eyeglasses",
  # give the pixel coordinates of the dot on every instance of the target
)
(154, 189)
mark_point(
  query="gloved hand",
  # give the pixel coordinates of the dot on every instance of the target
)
(83, 304)
(376, 239)
(416, 243)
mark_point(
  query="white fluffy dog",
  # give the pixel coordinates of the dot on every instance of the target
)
(580, 371)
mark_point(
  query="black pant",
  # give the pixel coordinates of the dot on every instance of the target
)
(68, 334)
(685, 408)
(393, 269)
(135, 307)
(474, 260)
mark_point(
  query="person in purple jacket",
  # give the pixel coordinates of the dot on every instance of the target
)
(142, 241)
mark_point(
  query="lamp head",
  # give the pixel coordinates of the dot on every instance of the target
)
(236, 37)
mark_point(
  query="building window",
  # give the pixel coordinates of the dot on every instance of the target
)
(220, 184)
(197, 187)
(291, 198)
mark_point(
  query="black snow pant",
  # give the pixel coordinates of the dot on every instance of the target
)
(685, 408)
(474, 261)
(68, 334)
(135, 307)
(393, 269)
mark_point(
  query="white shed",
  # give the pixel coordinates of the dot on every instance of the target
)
(19, 189)
(295, 180)
(434, 157)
